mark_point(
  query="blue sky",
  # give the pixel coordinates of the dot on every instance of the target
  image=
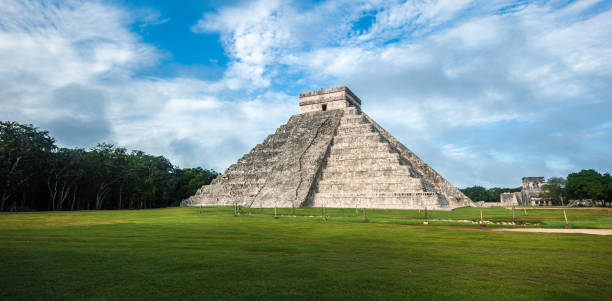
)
(486, 92)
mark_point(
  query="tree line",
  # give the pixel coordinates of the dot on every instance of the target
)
(480, 194)
(585, 184)
(37, 175)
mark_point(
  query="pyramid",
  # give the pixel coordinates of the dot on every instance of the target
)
(333, 155)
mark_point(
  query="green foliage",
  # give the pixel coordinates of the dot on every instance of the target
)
(24, 150)
(191, 179)
(479, 193)
(555, 189)
(476, 193)
(589, 184)
(43, 177)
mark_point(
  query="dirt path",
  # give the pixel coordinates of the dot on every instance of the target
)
(573, 231)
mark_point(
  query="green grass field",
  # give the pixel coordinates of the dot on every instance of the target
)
(182, 254)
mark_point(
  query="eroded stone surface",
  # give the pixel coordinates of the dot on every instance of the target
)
(334, 155)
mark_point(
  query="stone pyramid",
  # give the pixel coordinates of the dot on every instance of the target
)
(334, 155)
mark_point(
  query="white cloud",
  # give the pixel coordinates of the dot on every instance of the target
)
(439, 75)
(70, 68)
(428, 68)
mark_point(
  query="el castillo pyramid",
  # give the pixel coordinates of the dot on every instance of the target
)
(333, 155)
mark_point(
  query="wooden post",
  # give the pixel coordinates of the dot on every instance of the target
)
(323, 214)
(567, 225)
(275, 215)
(513, 214)
(365, 216)
(481, 219)
(426, 222)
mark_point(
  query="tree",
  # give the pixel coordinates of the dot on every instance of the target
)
(608, 186)
(191, 179)
(476, 193)
(65, 172)
(555, 190)
(104, 177)
(105, 162)
(586, 184)
(24, 150)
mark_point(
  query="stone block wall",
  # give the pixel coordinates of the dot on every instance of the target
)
(328, 99)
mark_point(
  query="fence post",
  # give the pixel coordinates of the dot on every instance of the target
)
(275, 215)
(323, 214)
(567, 225)
(481, 219)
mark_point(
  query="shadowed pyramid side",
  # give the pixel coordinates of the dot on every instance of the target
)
(277, 172)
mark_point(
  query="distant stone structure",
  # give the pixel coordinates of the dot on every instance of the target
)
(530, 194)
(509, 199)
(334, 155)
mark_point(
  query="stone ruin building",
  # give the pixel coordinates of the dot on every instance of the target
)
(529, 194)
(330, 154)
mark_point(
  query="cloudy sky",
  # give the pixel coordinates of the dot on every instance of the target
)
(486, 92)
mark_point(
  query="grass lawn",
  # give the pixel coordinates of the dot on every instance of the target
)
(182, 254)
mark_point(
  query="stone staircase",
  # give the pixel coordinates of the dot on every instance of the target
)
(363, 170)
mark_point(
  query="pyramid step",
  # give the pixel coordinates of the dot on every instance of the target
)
(350, 172)
(398, 200)
(375, 163)
(359, 145)
(242, 171)
(370, 187)
(249, 159)
(381, 203)
(368, 180)
(350, 120)
(373, 195)
(355, 125)
(337, 175)
(356, 130)
(350, 149)
(363, 155)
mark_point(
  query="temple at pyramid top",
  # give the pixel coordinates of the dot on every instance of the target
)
(334, 155)
(328, 99)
